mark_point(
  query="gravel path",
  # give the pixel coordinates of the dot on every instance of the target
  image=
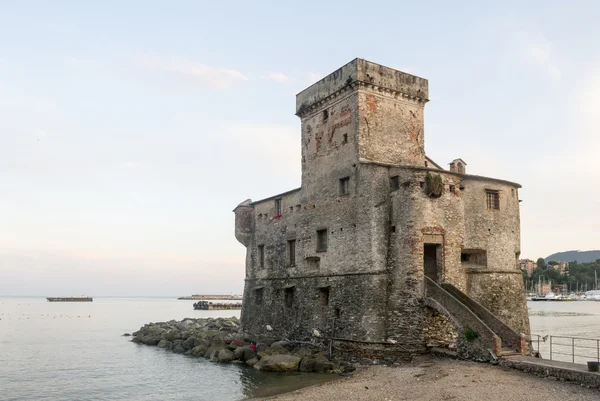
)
(429, 378)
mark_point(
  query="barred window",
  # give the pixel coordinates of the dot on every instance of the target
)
(492, 199)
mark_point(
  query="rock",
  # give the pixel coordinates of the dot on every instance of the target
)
(209, 351)
(126, 335)
(178, 349)
(244, 353)
(164, 343)
(214, 356)
(184, 325)
(307, 364)
(151, 339)
(283, 344)
(173, 335)
(252, 361)
(278, 363)
(274, 350)
(189, 343)
(198, 350)
(225, 355)
(302, 352)
(323, 365)
(208, 334)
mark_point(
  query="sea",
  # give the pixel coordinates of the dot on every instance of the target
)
(76, 351)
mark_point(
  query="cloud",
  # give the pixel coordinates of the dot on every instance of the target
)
(278, 77)
(212, 77)
(541, 54)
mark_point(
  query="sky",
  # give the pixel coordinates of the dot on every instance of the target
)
(129, 130)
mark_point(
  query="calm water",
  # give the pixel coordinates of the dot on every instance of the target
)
(570, 319)
(75, 351)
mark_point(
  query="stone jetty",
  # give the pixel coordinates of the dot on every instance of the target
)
(221, 340)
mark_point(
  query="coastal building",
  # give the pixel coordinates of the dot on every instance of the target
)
(380, 245)
(528, 265)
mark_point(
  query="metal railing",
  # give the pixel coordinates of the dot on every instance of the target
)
(566, 349)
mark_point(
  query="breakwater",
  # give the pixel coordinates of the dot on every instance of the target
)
(200, 297)
(221, 340)
(205, 305)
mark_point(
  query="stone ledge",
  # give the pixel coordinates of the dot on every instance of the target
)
(558, 370)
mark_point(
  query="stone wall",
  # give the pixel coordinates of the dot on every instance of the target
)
(439, 330)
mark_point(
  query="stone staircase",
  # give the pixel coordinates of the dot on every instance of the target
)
(496, 336)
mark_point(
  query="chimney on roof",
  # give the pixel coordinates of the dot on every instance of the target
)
(458, 166)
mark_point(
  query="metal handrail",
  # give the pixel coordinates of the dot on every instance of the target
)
(571, 347)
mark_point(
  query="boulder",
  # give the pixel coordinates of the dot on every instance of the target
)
(126, 335)
(283, 344)
(173, 334)
(198, 350)
(225, 355)
(252, 361)
(164, 343)
(207, 334)
(273, 350)
(185, 325)
(151, 339)
(323, 365)
(244, 353)
(178, 349)
(278, 363)
(209, 351)
(307, 364)
(189, 343)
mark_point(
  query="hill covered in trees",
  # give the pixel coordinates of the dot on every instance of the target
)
(574, 256)
(578, 276)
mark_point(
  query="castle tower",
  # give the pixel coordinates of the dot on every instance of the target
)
(361, 112)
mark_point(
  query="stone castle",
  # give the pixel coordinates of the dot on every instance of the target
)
(380, 247)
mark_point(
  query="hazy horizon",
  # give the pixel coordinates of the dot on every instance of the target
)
(130, 131)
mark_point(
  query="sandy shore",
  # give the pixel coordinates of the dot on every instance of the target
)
(429, 378)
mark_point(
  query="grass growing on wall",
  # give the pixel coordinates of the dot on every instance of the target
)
(470, 334)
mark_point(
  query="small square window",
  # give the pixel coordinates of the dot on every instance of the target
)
(345, 138)
(261, 256)
(322, 240)
(492, 199)
(258, 296)
(291, 250)
(325, 115)
(345, 186)
(395, 182)
(452, 189)
(289, 297)
(324, 296)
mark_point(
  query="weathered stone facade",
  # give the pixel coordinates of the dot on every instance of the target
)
(346, 253)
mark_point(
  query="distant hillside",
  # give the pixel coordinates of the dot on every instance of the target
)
(579, 256)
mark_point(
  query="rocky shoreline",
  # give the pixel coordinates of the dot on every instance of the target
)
(221, 340)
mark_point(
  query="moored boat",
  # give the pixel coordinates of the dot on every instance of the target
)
(82, 298)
